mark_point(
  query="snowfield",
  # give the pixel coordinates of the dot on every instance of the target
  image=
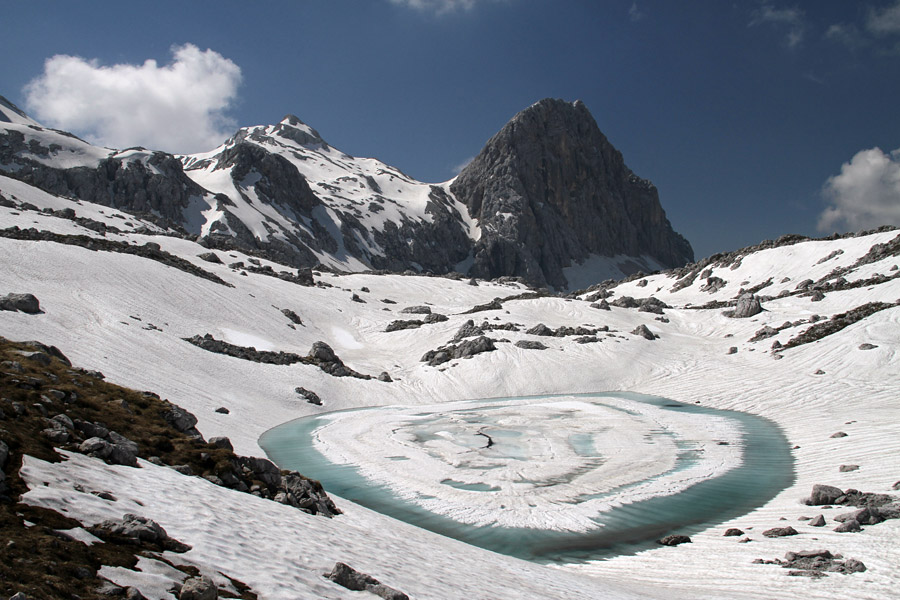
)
(127, 317)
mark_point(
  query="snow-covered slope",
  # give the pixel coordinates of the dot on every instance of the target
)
(128, 316)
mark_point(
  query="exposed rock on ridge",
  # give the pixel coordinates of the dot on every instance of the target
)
(549, 189)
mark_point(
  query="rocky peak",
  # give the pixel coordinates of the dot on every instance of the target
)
(294, 129)
(549, 190)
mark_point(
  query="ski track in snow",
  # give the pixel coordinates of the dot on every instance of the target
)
(90, 300)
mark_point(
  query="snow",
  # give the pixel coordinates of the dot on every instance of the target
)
(596, 268)
(89, 299)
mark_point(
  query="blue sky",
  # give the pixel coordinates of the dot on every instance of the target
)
(753, 118)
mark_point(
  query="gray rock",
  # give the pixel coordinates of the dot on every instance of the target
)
(780, 532)
(385, 376)
(530, 345)
(674, 540)
(348, 577)
(132, 593)
(310, 396)
(824, 494)
(468, 329)
(644, 332)
(732, 350)
(818, 521)
(863, 516)
(867, 346)
(417, 310)
(198, 588)
(733, 531)
(221, 442)
(292, 316)
(181, 420)
(323, 352)
(839, 434)
(540, 329)
(136, 527)
(467, 348)
(748, 305)
(210, 257)
(848, 468)
(222, 410)
(25, 303)
(849, 526)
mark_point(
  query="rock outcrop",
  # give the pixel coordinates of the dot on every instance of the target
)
(549, 190)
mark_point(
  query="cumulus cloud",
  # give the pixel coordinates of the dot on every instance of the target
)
(866, 194)
(178, 107)
(884, 21)
(792, 18)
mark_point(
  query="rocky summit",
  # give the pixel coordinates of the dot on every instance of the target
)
(547, 193)
(549, 189)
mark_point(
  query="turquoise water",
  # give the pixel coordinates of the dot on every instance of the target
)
(766, 469)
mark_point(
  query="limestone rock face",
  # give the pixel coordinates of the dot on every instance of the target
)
(550, 189)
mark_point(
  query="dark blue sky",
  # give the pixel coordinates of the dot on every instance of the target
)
(738, 112)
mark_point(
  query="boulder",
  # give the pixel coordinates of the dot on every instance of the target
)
(780, 532)
(323, 352)
(824, 494)
(198, 588)
(747, 306)
(644, 332)
(181, 420)
(530, 345)
(848, 468)
(851, 525)
(310, 396)
(733, 531)
(210, 257)
(540, 329)
(292, 316)
(348, 577)
(25, 303)
(221, 442)
(468, 329)
(417, 310)
(674, 540)
(818, 521)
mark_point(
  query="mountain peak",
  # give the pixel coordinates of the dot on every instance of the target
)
(550, 191)
(292, 128)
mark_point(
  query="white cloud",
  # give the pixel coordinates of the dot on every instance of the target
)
(847, 34)
(437, 6)
(178, 107)
(634, 13)
(442, 7)
(793, 18)
(885, 21)
(866, 194)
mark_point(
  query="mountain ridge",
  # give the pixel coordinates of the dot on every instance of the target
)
(281, 191)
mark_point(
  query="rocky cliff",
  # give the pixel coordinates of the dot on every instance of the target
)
(549, 190)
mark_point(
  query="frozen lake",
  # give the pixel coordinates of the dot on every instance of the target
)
(549, 478)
